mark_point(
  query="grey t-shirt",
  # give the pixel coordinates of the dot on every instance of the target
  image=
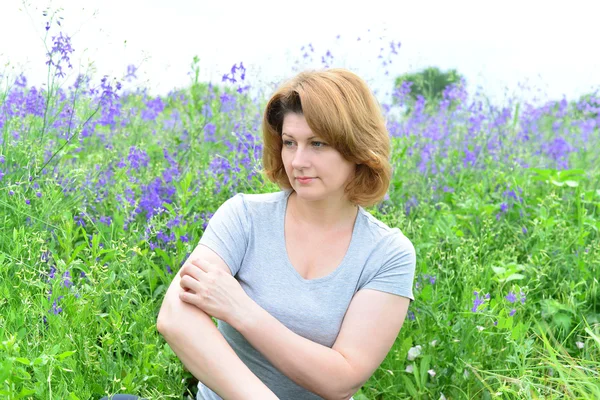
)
(247, 232)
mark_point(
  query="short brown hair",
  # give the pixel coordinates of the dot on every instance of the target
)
(340, 108)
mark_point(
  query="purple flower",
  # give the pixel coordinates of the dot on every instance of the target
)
(27, 201)
(55, 309)
(511, 297)
(523, 297)
(67, 279)
(477, 302)
(137, 158)
(131, 70)
(512, 312)
(79, 219)
(524, 230)
(503, 207)
(39, 194)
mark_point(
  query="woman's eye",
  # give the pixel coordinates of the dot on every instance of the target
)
(287, 143)
(321, 144)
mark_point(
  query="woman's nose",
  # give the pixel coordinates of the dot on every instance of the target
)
(301, 159)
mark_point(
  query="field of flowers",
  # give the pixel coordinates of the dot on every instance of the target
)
(104, 193)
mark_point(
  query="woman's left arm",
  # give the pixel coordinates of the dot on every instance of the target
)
(370, 327)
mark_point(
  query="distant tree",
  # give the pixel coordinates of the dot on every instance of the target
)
(429, 83)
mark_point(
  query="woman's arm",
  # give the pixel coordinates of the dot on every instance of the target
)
(315, 367)
(197, 342)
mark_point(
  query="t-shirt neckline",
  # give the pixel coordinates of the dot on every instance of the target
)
(286, 257)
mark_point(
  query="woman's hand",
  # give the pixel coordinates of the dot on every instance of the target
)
(214, 291)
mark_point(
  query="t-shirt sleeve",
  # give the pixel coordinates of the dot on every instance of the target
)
(397, 272)
(227, 232)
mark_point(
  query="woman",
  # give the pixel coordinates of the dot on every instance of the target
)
(309, 289)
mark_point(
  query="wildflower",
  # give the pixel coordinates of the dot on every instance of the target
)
(478, 301)
(431, 373)
(512, 312)
(523, 297)
(67, 279)
(137, 158)
(579, 345)
(511, 297)
(52, 272)
(411, 315)
(409, 368)
(480, 328)
(38, 194)
(433, 343)
(105, 220)
(27, 201)
(1, 174)
(442, 397)
(131, 70)
(524, 230)
(414, 352)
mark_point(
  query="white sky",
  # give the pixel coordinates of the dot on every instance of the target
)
(551, 46)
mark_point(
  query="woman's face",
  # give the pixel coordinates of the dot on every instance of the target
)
(306, 155)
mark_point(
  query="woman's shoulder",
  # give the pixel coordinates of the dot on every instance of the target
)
(380, 231)
(260, 203)
(263, 198)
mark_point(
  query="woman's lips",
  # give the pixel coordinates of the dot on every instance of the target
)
(305, 180)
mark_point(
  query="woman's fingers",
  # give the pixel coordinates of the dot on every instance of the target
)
(190, 284)
(191, 270)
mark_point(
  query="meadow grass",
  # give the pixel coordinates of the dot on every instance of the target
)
(104, 194)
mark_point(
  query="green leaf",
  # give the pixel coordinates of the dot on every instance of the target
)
(72, 396)
(23, 360)
(40, 361)
(66, 354)
(562, 320)
(572, 183)
(409, 385)
(25, 392)
(514, 277)
(499, 270)
(424, 367)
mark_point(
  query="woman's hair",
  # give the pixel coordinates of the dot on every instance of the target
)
(338, 107)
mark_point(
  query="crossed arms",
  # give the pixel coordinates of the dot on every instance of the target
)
(368, 331)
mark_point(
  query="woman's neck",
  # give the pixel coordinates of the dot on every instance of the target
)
(333, 215)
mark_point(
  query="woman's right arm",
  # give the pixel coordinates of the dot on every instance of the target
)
(197, 342)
